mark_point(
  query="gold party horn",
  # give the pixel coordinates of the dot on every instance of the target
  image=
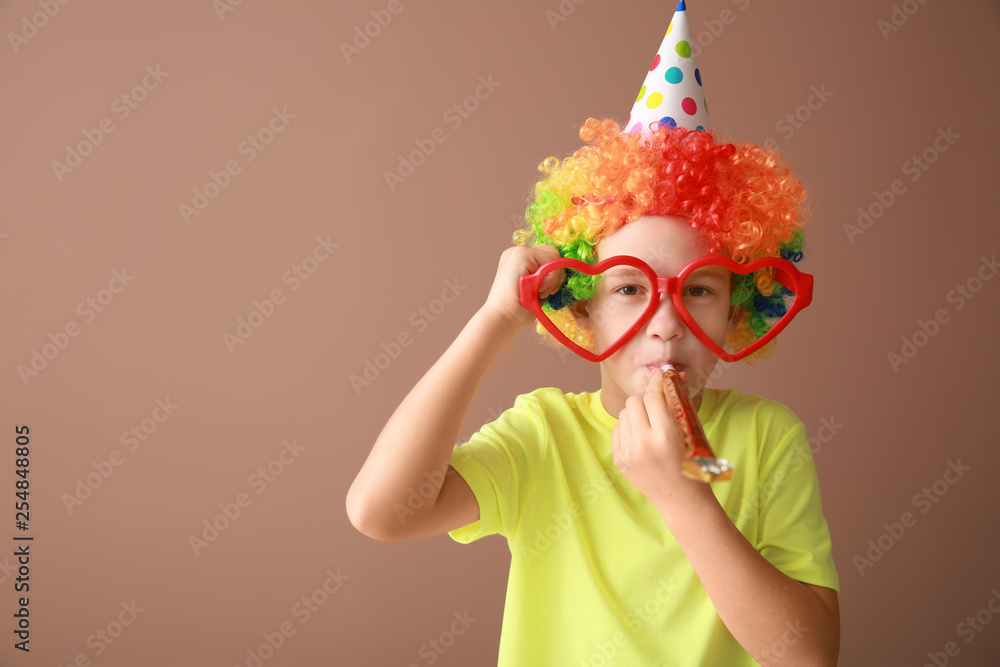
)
(700, 462)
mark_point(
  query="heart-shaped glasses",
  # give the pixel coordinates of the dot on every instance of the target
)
(627, 292)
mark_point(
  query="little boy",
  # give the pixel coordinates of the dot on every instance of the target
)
(618, 558)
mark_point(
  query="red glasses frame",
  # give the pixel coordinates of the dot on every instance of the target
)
(785, 273)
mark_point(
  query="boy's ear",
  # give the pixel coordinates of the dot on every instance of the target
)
(580, 310)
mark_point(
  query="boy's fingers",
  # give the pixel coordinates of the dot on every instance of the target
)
(548, 249)
(632, 421)
(655, 402)
(638, 415)
(552, 283)
(623, 426)
(544, 253)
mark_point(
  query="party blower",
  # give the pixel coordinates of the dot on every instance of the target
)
(671, 95)
(700, 462)
(792, 287)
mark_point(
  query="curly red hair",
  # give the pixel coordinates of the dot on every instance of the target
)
(741, 199)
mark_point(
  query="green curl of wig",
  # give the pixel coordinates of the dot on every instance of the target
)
(741, 199)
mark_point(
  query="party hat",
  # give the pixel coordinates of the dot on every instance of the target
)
(671, 93)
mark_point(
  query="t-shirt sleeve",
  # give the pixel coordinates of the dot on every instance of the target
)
(793, 534)
(499, 463)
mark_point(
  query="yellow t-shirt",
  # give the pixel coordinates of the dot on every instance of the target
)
(595, 577)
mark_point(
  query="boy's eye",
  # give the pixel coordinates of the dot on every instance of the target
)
(697, 291)
(629, 290)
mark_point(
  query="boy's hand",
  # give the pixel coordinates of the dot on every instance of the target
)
(515, 262)
(647, 447)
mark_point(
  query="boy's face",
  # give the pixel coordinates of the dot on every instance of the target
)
(667, 244)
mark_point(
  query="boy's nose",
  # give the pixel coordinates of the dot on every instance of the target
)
(666, 322)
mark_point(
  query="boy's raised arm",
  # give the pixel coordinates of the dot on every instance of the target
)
(417, 441)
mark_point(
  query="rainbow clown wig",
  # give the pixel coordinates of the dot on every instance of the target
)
(741, 199)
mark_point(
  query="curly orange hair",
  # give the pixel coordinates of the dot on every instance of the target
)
(741, 199)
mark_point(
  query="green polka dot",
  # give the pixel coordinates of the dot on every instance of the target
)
(683, 49)
(642, 91)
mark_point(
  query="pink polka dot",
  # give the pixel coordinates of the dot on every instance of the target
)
(656, 61)
(689, 106)
(636, 129)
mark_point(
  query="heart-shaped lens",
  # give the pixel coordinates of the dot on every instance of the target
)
(626, 292)
(781, 292)
(622, 296)
(570, 320)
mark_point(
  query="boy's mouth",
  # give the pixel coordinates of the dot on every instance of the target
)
(679, 367)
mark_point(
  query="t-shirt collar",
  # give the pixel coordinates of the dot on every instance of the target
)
(597, 408)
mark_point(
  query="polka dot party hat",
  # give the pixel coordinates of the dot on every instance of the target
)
(671, 93)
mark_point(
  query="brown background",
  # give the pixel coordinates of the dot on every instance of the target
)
(323, 176)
